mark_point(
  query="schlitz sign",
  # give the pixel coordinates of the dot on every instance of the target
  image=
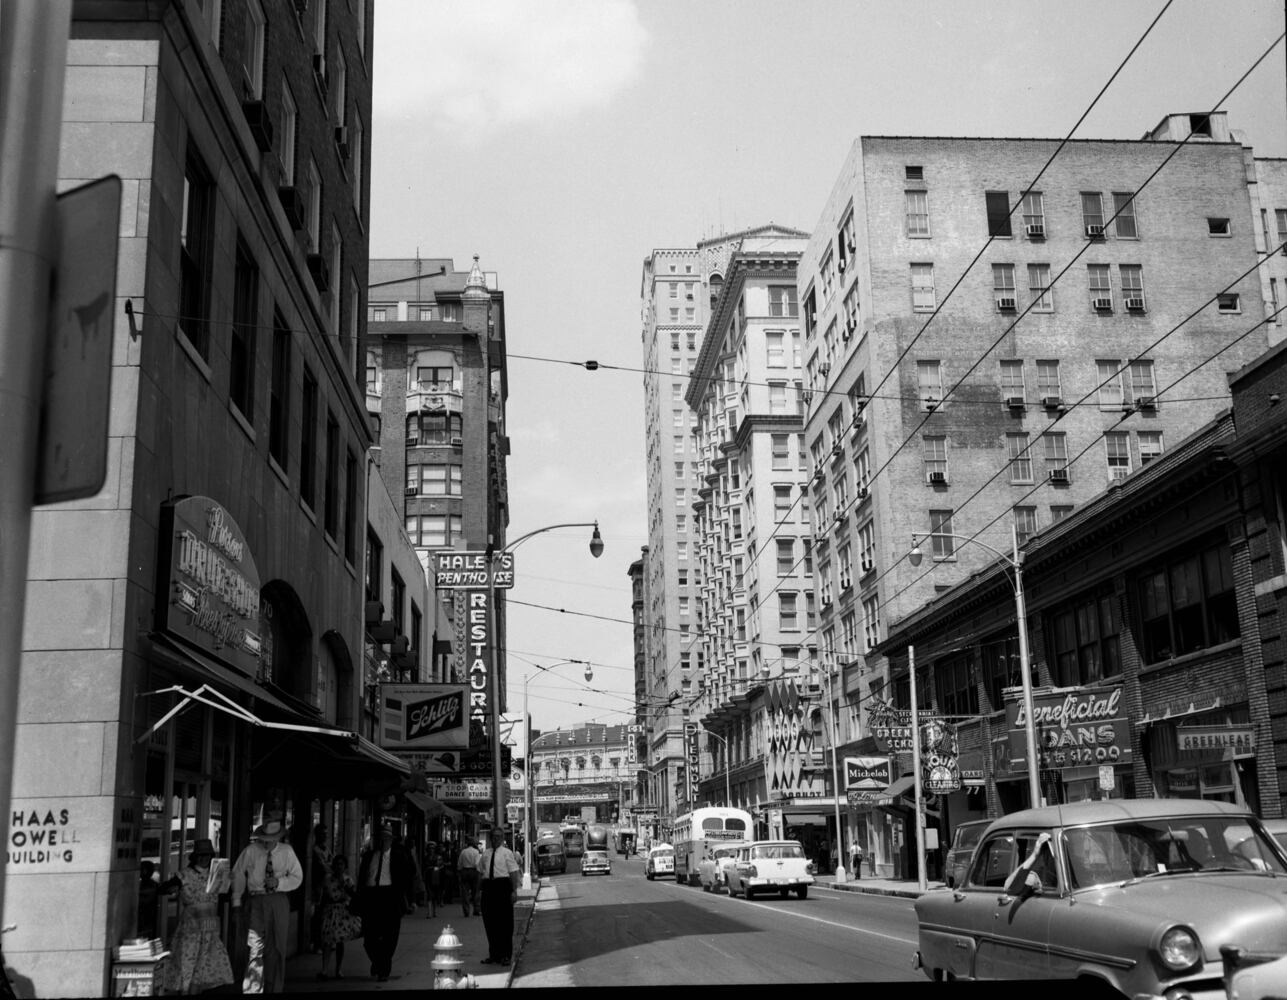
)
(423, 716)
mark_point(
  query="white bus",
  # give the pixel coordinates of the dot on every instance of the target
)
(699, 832)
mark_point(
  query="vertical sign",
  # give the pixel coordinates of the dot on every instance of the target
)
(691, 756)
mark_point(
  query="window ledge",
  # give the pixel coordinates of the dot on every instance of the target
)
(279, 472)
(193, 354)
(1188, 658)
(240, 419)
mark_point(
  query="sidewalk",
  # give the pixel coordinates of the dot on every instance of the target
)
(877, 886)
(413, 962)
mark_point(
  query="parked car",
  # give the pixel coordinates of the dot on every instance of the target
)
(596, 863)
(1138, 893)
(958, 855)
(550, 856)
(661, 861)
(770, 866)
(712, 871)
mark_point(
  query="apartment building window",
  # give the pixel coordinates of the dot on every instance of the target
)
(1025, 523)
(314, 206)
(350, 507)
(1150, 445)
(807, 559)
(998, 207)
(308, 441)
(848, 639)
(774, 352)
(1124, 207)
(1056, 454)
(241, 346)
(1043, 298)
(1034, 215)
(844, 558)
(781, 449)
(677, 419)
(823, 581)
(1084, 641)
(1059, 511)
(1132, 276)
(1012, 379)
(680, 497)
(331, 496)
(196, 241)
(783, 301)
(378, 315)
(862, 469)
(1109, 373)
(333, 303)
(929, 380)
(286, 118)
(810, 312)
(685, 606)
(942, 543)
(681, 524)
(356, 139)
(253, 63)
(1101, 286)
(1143, 386)
(786, 556)
(1092, 212)
(810, 611)
(690, 315)
(279, 392)
(781, 503)
(436, 479)
(955, 687)
(674, 314)
(1187, 603)
(922, 287)
(374, 571)
(867, 546)
(840, 489)
(1228, 302)
(681, 551)
(1219, 226)
(735, 522)
(1020, 458)
(777, 397)
(1117, 445)
(679, 444)
(935, 458)
(1003, 287)
(917, 207)
(795, 349)
(1280, 215)
(788, 613)
(845, 238)
(434, 530)
(1273, 302)
(870, 624)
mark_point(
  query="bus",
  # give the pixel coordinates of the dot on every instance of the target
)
(699, 832)
(573, 841)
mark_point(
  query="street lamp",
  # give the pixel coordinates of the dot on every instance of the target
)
(527, 747)
(493, 685)
(728, 797)
(1015, 564)
(835, 776)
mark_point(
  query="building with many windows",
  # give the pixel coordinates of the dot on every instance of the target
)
(200, 658)
(585, 767)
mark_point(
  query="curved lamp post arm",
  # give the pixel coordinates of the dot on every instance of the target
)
(596, 540)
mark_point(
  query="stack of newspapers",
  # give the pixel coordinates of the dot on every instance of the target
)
(140, 950)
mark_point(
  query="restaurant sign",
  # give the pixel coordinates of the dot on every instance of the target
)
(208, 586)
(1076, 727)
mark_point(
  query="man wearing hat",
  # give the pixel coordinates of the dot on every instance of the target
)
(264, 873)
(500, 873)
(384, 893)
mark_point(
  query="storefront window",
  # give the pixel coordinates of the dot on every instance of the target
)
(1085, 641)
(1188, 604)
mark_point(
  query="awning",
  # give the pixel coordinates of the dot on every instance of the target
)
(430, 806)
(896, 789)
(174, 654)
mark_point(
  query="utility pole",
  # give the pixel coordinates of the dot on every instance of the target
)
(33, 61)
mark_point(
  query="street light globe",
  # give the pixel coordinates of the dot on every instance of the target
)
(914, 557)
(596, 543)
(589, 672)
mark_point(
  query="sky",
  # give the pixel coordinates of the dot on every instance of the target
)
(563, 140)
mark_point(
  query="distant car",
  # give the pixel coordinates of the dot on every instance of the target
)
(596, 863)
(1137, 893)
(550, 856)
(712, 872)
(770, 866)
(661, 861)
(958, 855)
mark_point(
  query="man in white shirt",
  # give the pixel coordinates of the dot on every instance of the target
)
(467, 876)
(500, 873)
(264, 873)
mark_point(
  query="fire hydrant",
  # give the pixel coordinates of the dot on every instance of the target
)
(447, 962)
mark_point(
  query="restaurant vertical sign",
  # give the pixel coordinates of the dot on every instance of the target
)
(474, 577)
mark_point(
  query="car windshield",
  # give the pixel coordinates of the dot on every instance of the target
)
(596, 855)
(776, 852)
(1168, 845)
(968, 836)
(665, 853)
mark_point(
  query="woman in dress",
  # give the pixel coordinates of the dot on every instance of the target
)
(198, 959)
(338, 923)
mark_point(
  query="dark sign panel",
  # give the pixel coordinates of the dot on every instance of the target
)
(1076, 727)
(423, 716)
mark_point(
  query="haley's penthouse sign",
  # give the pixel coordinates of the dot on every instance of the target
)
(208, 586)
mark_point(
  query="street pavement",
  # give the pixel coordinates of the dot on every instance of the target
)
(413, 963)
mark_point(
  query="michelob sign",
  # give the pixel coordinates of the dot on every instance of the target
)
(867, 773)
(1076, 727)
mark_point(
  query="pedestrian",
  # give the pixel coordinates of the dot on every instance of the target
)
(857, 861)
(417, 877)
(467, 876)
(339, 923)
(434, 878)
(500, 875)
(198, 959)
(384, 887)
(265, 871)
(319, 870)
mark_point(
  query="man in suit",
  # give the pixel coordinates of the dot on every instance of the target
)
(500, 872)
(384, 891)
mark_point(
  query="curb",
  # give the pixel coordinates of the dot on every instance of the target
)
(527, 926)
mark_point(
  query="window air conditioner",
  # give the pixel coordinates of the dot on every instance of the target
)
(1005, 303)
(1059, 475)
(319, 69)
(846, 582)
(841, 264)
(1036, 231)
(860, 416)
(937, 477)
(835, 450)
(825, 368)
(413, 441)
(1147, 402)
(413, 491)
(1104, 305)
(1014, 402)
(342, 143)
(852, 323)
(850, 243)
(456, 442)
(868, 565)
(863, 493)
(1095, 232)
(1052, 402)
(930, 402)
(1135, 305)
